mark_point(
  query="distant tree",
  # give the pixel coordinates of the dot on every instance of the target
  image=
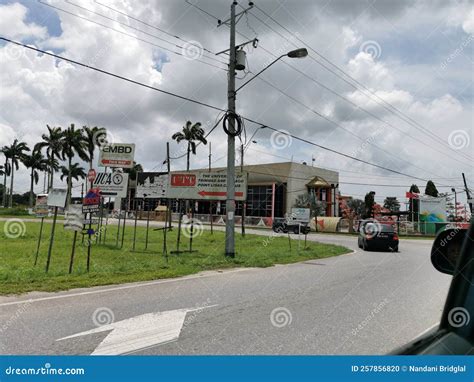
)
(317, 207)
(356, 205)
(35, 162)
(73, 171)
(6, 172)
(431, 189)
(15, 153)
(53, 144)
(391, 203)
(190, 133)
(369, 202)
(93, 137)
(72, 142)
(414, 204)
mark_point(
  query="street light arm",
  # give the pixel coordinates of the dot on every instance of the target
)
(260, 72)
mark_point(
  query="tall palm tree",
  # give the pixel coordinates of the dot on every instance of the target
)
(73, 172)
(6, 172)
(36, 162)
(15, 153)
(52, 142)
(192, 134)
(132, 177)
(72, 142)
(92, 136)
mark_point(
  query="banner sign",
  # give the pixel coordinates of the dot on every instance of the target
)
(411, 195)
(300, 215)
(73, 218)
(152, 185)
(57, 197)
(111, 183)
(91, 201)
(432, 210)
(204, 185)
(117, 155)
(41, 206)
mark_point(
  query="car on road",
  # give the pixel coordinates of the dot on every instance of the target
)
(374, 234)
(282, 225)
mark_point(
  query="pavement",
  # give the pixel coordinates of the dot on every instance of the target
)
(359, 303)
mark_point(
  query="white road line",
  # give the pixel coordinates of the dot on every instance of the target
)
(78, 294)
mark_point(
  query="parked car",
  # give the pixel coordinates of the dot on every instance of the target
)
(282, 225)
(374, 234)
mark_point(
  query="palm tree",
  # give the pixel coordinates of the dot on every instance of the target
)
(5, 172)
(132, 178)
(72, 142)
(52, 142)
(36, 162)
(73, 172)
(190, 133)
(15, 153)
(92, 136)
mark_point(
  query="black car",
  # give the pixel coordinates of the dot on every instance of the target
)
(377, 235)
(282, 225)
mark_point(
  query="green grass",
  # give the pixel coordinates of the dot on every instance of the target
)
(112, 265)
(14, 211)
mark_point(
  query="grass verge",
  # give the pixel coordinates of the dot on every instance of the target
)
(113, 265)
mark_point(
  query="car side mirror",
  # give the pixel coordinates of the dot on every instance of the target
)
(447, 249)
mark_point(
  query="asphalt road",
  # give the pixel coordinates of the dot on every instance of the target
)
(360, 303)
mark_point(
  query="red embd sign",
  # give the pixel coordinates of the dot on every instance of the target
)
(183, 180)
(91, 175)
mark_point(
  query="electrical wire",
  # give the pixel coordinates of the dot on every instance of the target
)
(262, 125)
(129, 35)
(386, 104)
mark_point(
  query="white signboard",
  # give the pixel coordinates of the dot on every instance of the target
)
(117, 155)
(432, 210)
(152, 185)
(74, 218)
(111, 183)
(300, 214)
(204, 185)
(57, 197)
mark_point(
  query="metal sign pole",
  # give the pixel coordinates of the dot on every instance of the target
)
(89, 244)
(39, 240)
(135, 228)
(123, 227)
(192, 229)
(106, 221)
(147, 227)
(118, 228)
(71, 261)
(51, 240)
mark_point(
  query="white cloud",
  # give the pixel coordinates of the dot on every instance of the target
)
(14, 26)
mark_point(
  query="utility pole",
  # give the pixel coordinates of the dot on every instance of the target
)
(467, 192)
(230, 201)
(243, 202)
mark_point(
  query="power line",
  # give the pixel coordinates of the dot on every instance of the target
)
(152, 26)
(386, 104)
(130, 35)
(208, 106)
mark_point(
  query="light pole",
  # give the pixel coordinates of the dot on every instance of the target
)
(455, 204)
(231, 118)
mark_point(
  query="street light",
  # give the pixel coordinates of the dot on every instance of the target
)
(297, 53)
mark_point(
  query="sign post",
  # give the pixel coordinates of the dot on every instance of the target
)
(41, 211)
(117, 155)
(56, 198)
(74, 222)
(90, 204)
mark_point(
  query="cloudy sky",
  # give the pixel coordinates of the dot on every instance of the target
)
(388, 82)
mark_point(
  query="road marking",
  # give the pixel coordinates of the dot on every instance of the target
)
(78, 294)
(140, 332)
